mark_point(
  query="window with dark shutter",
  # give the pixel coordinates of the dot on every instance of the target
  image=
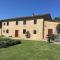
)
(24, 31)
(34, 32)
(4, 23)
(7, 31)
(7, 23)
(3, 31)
(24, 22)
(35, 21)
(16, 22)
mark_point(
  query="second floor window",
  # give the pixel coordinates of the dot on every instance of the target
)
(35, 21)
(7, 23)
(4, 23)
(16, 22)
(24, 22)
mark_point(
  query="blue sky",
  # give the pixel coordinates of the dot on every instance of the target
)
(18, 8)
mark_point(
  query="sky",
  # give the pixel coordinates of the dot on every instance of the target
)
(21, 8)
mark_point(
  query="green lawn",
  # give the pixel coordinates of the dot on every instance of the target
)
(31, 50)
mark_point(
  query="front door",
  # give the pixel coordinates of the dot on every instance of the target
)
(50, 31)
(16, 33)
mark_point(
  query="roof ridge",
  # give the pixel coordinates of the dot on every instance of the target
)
(48, 16)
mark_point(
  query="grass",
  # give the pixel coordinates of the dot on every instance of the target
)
(31, 50)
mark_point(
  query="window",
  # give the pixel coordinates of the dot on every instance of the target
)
(35, 21)
(3, 31)
(24, 31)
(7, 23)
(16, 22)
(7, 31)
(34, 32)
(4, 23)
(24, 22)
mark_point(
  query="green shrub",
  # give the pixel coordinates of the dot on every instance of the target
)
(6, 42)
(51, 37)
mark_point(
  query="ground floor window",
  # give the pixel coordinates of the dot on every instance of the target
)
(7, 31)
(3, 31)
(34, 31)
(24, 31)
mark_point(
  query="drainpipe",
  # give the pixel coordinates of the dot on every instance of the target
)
(43, 30)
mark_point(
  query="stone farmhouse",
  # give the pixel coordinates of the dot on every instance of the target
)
(34, 27)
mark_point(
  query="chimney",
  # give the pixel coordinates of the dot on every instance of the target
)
(33, 14)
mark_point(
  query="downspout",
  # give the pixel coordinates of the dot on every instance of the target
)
(43, 30)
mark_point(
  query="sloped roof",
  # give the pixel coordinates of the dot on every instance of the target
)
(44, 16)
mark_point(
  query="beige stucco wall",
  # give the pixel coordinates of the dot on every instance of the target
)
(49, 25)
(30, 26)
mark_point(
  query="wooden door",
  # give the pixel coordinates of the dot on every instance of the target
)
(16, 33)
(50, 31)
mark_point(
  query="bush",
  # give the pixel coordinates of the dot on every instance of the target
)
(8, 42)
(13, 42)
(51, 37)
